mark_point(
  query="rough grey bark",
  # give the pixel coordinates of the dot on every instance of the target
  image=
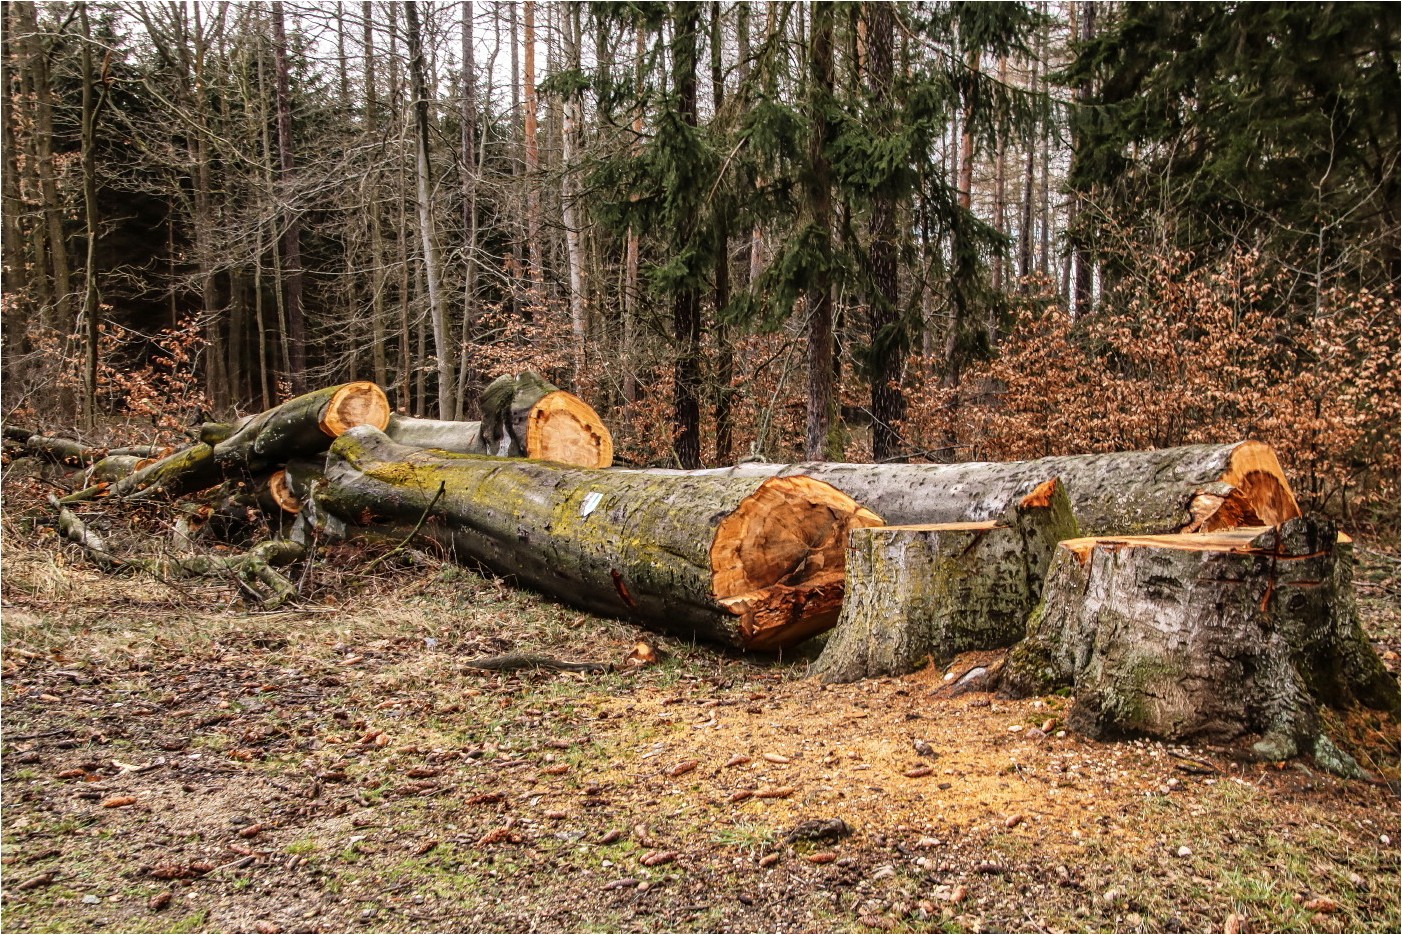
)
(1124, 493)
(752, 563)
(1204, 636)
(922, 594)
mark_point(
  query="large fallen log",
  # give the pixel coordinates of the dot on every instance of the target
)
(754, 563)
(523, 416)
(926, 593)
(1203, 636)
(1198, 488)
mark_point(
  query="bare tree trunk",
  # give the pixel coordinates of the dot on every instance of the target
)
(686, 303)
(630, 262)
(573, 116)
(438, 311)
(725, 353)
(1000, 202)
(292, 231)
(92, 104)
(468, 118)
(817, 202)
(887, 337)
(372, 199)
(1080, 222)
(1029, 181)
(535, 280)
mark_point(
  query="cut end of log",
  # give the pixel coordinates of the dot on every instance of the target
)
(1252, 491)
(360, 403)
(280, 489)
(564, 428)
(778, 559)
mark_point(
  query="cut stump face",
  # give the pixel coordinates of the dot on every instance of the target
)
(779, 558)
(360, 403)
(562, 427)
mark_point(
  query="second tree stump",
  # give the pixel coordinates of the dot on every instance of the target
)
(1238, 632)
(917, 594)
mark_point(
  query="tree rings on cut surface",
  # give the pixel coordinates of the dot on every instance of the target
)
(359, 403)
(779, 559)
(562, 427)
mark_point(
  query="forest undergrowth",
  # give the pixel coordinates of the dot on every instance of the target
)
(175, 761)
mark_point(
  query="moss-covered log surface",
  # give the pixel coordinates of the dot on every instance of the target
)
(1247, 631)
(749, 563)
(922, 594)
(1193, 488)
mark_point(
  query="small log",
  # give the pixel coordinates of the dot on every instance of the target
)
(923, 593)
(751, 563)
(114, 468)
(523, 416)
(1197, 488)
(1204, 636)
(301, 426)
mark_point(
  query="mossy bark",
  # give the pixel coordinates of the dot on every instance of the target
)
(629, 545)
(1211, 636)
(917, 594)
(1197, 487)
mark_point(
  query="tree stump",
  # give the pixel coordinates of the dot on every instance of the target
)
(917, 594)
(1204, 636)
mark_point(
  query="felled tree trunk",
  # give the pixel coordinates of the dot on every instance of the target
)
(917, 594)
(1219, 635)
(1197, 488)
(114, 467)
(523, 416)
(67, 451)
(299, 427)
(751, 563)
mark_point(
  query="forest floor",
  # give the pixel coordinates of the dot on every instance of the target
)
(173, 761)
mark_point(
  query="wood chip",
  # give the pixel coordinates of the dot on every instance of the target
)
(782, 792)
(682, 769)
(119, 801)
(657, 858)
(33, 883)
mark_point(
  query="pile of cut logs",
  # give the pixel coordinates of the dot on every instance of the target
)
(1176, 593)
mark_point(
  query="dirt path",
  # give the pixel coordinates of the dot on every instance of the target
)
(171, 765)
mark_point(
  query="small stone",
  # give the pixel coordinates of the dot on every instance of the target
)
(883, 872)
(92, 900)
(1015, 728)
(1185, 851)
